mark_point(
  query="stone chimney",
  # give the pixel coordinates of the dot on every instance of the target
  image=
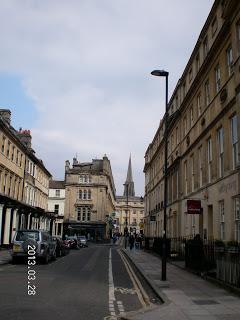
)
(75, 162)
(105, 163)
(6, 115)
(67, 165)
(25, 137)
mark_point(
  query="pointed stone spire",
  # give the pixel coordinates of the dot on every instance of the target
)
(129, 184)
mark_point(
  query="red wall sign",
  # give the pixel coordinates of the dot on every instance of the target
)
(194, 207)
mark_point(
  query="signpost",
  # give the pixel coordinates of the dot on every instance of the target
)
(141, 225)
(194, 207)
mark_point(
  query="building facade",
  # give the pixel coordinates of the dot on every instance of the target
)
(56, 204)
(19, 209)
(129, 208)
(203, 138)
(36, 184)
(90, 198)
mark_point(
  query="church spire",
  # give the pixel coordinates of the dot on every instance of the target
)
(129, 184)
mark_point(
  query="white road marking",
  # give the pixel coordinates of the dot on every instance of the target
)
(125, 290)
(121, 308)
(111, 286)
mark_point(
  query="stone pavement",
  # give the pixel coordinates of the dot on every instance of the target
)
(5, 256)
(185, 295)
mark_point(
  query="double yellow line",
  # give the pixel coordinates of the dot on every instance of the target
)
(141, 293)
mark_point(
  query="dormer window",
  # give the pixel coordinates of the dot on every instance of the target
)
(190, 75)
(197, 63)
(184, 89)
(214, 26)
(176, 102)
(205, 47)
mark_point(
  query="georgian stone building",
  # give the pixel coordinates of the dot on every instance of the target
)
(90, 197)
(129, 208)
(20, 207)
(12, 168)
(203, 138)
(56, 204)
(36, 184)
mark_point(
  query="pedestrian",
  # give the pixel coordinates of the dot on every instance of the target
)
(114, 238)
(138, 244)
(131, 241)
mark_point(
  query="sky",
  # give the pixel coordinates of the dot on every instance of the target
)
(77, 74)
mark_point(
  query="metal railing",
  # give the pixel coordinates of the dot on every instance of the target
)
(205, 257)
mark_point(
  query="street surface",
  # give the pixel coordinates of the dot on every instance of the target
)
(90, 283)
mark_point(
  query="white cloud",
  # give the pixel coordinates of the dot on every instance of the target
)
(86, 66)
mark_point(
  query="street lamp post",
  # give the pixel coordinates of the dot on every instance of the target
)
(126, 219)
(162, 73)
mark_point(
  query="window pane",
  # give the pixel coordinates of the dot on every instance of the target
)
(234, 129)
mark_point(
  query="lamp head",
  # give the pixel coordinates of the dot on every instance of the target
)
(159, 73)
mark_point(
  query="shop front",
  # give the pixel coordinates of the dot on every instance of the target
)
(94, 231)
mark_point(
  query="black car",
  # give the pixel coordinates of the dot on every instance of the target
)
(61, 248)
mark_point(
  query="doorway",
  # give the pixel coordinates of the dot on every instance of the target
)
(210, 222)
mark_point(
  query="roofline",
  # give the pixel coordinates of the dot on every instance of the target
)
(23, 147)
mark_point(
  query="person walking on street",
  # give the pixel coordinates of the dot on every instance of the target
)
(131, 241)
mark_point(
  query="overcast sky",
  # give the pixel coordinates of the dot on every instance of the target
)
(77, 74)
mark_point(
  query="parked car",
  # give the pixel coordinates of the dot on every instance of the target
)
(61, 247)
(73, 242)
(42, 244)
(67, 244)
(83, 241)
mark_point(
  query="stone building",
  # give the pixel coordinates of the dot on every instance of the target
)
(203, 138)
(36, 184)
(129, 208)
(19, 209)
(56, 204)
(90, 197)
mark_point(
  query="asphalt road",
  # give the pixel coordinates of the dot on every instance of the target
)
(74, 287)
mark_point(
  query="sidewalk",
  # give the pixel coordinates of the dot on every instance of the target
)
(185, 295)
(5, 256)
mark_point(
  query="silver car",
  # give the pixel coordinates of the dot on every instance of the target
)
(83, 241)
(39, 242)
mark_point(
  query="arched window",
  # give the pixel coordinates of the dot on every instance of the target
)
(85, 194)
(89, 194)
